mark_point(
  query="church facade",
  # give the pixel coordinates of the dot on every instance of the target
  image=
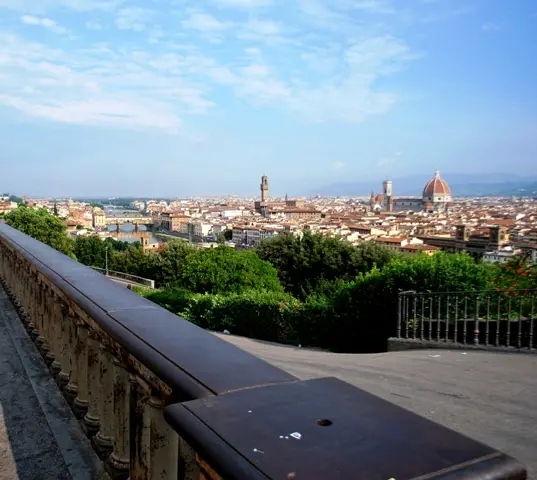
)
(436, 197)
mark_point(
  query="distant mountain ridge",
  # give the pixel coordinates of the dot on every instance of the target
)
(462, 185)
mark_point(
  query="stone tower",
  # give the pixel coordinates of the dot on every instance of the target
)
(387, 201)
(264, 188)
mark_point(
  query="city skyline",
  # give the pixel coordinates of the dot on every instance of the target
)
(182, 98)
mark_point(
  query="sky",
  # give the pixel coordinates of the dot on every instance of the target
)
(202, 97)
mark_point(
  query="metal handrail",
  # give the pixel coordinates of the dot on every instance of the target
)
(146, 282)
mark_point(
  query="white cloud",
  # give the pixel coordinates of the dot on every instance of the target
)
(204, 22)
(243, 3)
(386, 164)
(133, 18)
(43, 22)
(490, 27)
(373, 6)
(41, 6)
(339, 165)
(309, 65)
(96, 87)
(92, 25)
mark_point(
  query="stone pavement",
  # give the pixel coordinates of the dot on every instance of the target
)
(39, 437)
(491, 397)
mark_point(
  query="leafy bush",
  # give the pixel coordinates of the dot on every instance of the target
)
(304, 262)
(367, 308)
(225, 270)
(265, 315)
(41, 225)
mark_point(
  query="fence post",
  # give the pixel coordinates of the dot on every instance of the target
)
(476, 323)
(400, 295)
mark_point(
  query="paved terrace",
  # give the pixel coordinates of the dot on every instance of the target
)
(163, 399)
(489, 396)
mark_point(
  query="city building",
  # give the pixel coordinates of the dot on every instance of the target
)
(174, 222)
(290, 209)
(436, 197)
(99, 218)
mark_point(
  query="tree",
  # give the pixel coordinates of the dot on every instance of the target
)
(220, 238)
(303, 263)
(133, 260)
(41, 225)
(164, 267)
(368, 305)
(90, 250)
(516, 274)
(55, 211)
(225, 270)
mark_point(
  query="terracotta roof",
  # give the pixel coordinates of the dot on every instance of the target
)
(436, 186)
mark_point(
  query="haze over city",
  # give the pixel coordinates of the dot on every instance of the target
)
(175, 98)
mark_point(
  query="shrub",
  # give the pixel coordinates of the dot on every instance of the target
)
(367, 308)
(224, 270)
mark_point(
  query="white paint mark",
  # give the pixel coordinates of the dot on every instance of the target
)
(296, 435)
(287, 438)
(249, 411)
(281, 436)
(463, 353)
(258, 451)
(434, 356)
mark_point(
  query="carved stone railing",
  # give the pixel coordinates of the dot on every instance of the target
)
(163, 399)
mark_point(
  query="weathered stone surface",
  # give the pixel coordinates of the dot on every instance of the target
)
(39, 437)
(488, 396)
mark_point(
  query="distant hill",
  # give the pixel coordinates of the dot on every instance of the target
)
(462, 185)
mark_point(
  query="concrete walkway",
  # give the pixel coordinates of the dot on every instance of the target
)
(491, 397)
(39, 437)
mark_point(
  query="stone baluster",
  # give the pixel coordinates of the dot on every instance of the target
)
(49, 325)
(80, 404)
(103, 440)
(56, 335)
(62, 378)
(24, 314)
(164, 444)
(33, 304)
(71, 389)
(140, 425)
(40, 319)
(118, 465)
(16, 288)
(189, 462)
(90, 423)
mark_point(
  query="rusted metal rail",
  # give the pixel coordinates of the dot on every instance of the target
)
(161, 398)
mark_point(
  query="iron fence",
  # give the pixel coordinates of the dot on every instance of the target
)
(503, 318)
(146, 282)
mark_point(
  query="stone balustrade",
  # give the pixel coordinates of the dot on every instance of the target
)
(162, 399)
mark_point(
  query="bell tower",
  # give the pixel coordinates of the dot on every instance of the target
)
(264, 188)
(387, 202)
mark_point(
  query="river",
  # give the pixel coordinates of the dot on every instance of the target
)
(128, 232)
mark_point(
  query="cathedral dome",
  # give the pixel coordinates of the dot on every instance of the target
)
(436, 186)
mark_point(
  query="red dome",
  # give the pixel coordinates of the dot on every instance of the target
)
(379, 198)
(436, 186)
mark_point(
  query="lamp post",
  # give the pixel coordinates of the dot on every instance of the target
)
(106, 259)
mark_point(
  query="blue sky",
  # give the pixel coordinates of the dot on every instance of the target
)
(184, 97)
